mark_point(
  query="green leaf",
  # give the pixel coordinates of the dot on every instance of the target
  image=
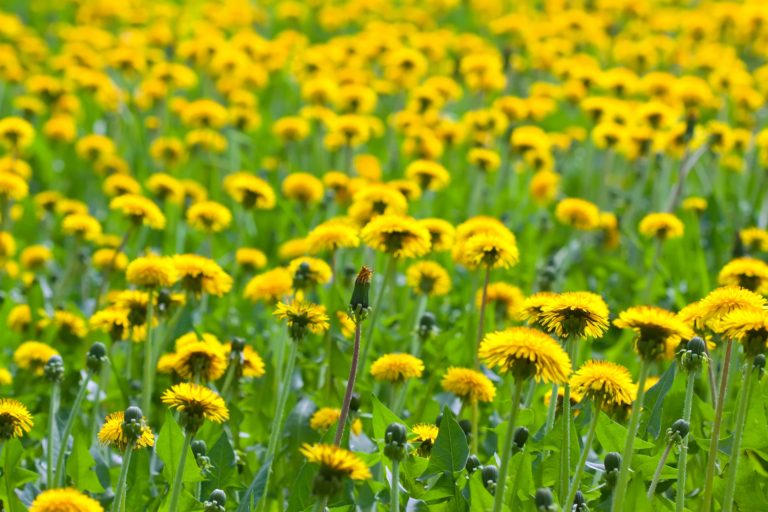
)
(81, 465)
(451, 450)
(654, 400)
(170, 442)
(612, 437)
(382, 417)
(14, 476)
(223, 474)
(480, 499)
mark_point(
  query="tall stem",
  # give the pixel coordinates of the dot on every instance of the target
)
(659, 469)
(177, 482)
(118, 504)
(389, 268)
(498, 502)
(59, 475)
(565, 440)
(626, 458)
(277, 421)
(395, 492)
(710, 475)
(741, 419)
(682, 461)
(52, 406)
(146, 383)
(481, 320)
(350, 387)
(475, 425)
(568, 503)
(9, 490)
(712, 380)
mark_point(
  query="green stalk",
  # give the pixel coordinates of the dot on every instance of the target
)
(710, 476)
(565, 440)
(659, 469)
(52, 406)
(389, 268)
(682, 460)
(498, 502)
(350, 387)
(118, 503)
(177, 482)
(60, 461)
(475, 425)
(568, 503)
(626, 458)
(146, 384)
(277, 421)
(552, 410)
(320, 504)
(741, 419)
(229, 378)
(9, 490)
(481, 320)
(395, 492)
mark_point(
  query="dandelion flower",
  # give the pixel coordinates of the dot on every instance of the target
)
(426, 435)
(428, 278)
(428, 174)
(209, 216)
(309, 272)
(397, 367)
(303, 187)
(441, 233)
(749, 326)
(402, 237)
(490, 251)
(302, 317)
(152, 272)
(331, 235)
(336, 465)
(749, 273)
(19, 318)
(468, 385)
(251, 258)
(82, 226)
(269, 286)
(526, 352)
(755, 239)
(104, 259)
(655, 329)
(578, 213)
(575, 314)
(327, 417)
(198, 274)
(33, 356)
(139, 210)
(506, 300)
(64, 500)
(15, 419)
(112, 433)
(603, 382)
(112, 320)
(663, 226)
(197, 402)
(709, 311)
(250, 191)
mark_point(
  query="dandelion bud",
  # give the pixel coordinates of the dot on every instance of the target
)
(97, 357)
(545, 502)
(359, 306)
(199, 448)
(164, 301)
(580, 503)
(490, 474)
(473, 464)
(466, 426)
(612, 466)
(54, 369)
(216, 501)
(396, 440)
(133, 422)
(693, 355)
(519, 438)
(427, 326)
(758, 364)
(238, 344)
(678, 431)
(303, 277)
(354, 402)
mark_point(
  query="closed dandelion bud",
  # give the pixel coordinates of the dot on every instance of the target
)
(359, 307)
(427, 326)
(612, 466)
(678, 431)
(694, 354)
(133, 423)
(303, 277)
(97, 357)
(580, 503)
(490, 475)
(473, 464)
(519, 438)
(238, 344)
(163, 301)
(354, 402)
(199, 448)
(54, 369)
(544, 500)
(396, 440)
(216, 502)
(758, 364)
(466, 426)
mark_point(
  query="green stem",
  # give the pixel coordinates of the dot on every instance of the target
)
(565, 440)
(52, 406)
(682, 460)
(350, 387)
(9, 490)
(659, 469)
(389, 268)
(498, 501)
(710, 475)
(277, 421)
(61, 458)
(229, 378)
(395, 492)
(568, 503)
(626, 458)
(481, 319)
(475, 426)
(552, 410)
(741, 419)
(177, 482)
(146, 391)
(320, 504)
(118, 504)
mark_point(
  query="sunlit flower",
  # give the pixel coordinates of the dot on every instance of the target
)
(397, 367)
(710, 311)
(152, 272)
(505, 299)
(112, 320)
(441, 233)
(307, 272)
(19, 318)
(303, 187)
(112, 433)
(15, 419)
(104, 259)
(209, 216)
(269, 286)
(470, 385)
(428, 174)
(749, 273)
(603, 382)
(81, 225)
(302, 317)
(663, 226)
(579, 213)
(250, 191)
(139, 210)
(488, 250)
(426, 435)
(336, 464)
(197, 402)
(33, 356)
(655, 328)
(203, 359)
(327, 417)
(526, 353)
(198, 274)
(64, 500)
(575, 314)
(402, 237)
(755, 239)
(428, 278)
(35, 257)
(332, 235)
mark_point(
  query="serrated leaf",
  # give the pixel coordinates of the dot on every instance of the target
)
(170, 442)
(451, 450)
(81, 466)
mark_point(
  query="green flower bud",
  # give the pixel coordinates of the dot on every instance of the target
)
(133, 421)
(545, 502)
(199, 448)
(54, 369)
(520, 437)
(580, 503)
(490, 475)
(216, 501)
(758, 364)
(612, 466)
(359, 307)
(427, 326)
(396, 441)
(473, 464)
(97, 357)
(678, 431)
(694, 354)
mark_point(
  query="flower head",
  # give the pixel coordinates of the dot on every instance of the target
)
(196, 403)
(15, 419)
(33, 356)
(113, 433)
(397, 367)
(469, 385)
(575, 314)
(336, 465)
(749, 273)
(64, 500)
(200, 358)
(603, 382)
(709, 311)
(112, 320)
(152, 272)
(139, 210)
(209, 216)
(270, 286)
(332, 235)
(428, 278)
(199, 274)
(250, 191)
(402, 237)
(655, 329)
(251, 258)
(426, 435)
(661, 225)
(308, 272)
(526, 353)
(507, 300)
(749, 326)
(302, 317)
(578, 213)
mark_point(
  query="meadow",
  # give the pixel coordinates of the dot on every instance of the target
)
(383, 255)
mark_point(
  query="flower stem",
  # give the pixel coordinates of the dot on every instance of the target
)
(229, 378)
(118, 504)
(710, 475)
(741, 419)
(568, 503)
(277, 421)
(626, 458)
(53, 405)
(320, 504)
(565, 440)
(350, 387)
(475, 425)
(395, 492)
(552, 410)
(389, 268)
(146, 383)
(60, 459)
(498, 502)
(682, 460)
(9, 490)
(481, 320)
(177, 482)
(659, 469)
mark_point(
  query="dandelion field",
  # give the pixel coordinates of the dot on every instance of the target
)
(447, 255)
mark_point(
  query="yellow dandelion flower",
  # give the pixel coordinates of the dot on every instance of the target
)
(506, 300)
(575, 314)
(544, 187)
(755, 239)
(250, 191)
(64, 500)
(166, 188)
(120, 184)
(303, 187)
(331, 236)
(750, 327)
(578, 213)
(346, 324)
(428, 174)
(35, 257)
(112, 433)
(251, 258)
(293, 249)
(469, 384)
(709, 311)
(82, 226)
(327, 417)
(196, 401)
(377, 199)
(608, 384)
(200, 359)
(152, 272)
(397, 367)
(7, 245)
(33, 356)
(270, 286)
(749, 273)
(6, 379)
(694, 204)
(69, 327)
(532, 306)
(425, 435)
(112, 320)
(663, 226)
(336, 461)
(16, 133)
(13, 186)
(198, 274)
(15, 419)
(252, 363)
(139, 210)
(209, 216)
(526, 352)
(655, 328)
(441, 233)
(104, 259)
(301, 317)
(307, 272)
(402, 237)
(428, 278)
(19, 318)
(490, 251)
